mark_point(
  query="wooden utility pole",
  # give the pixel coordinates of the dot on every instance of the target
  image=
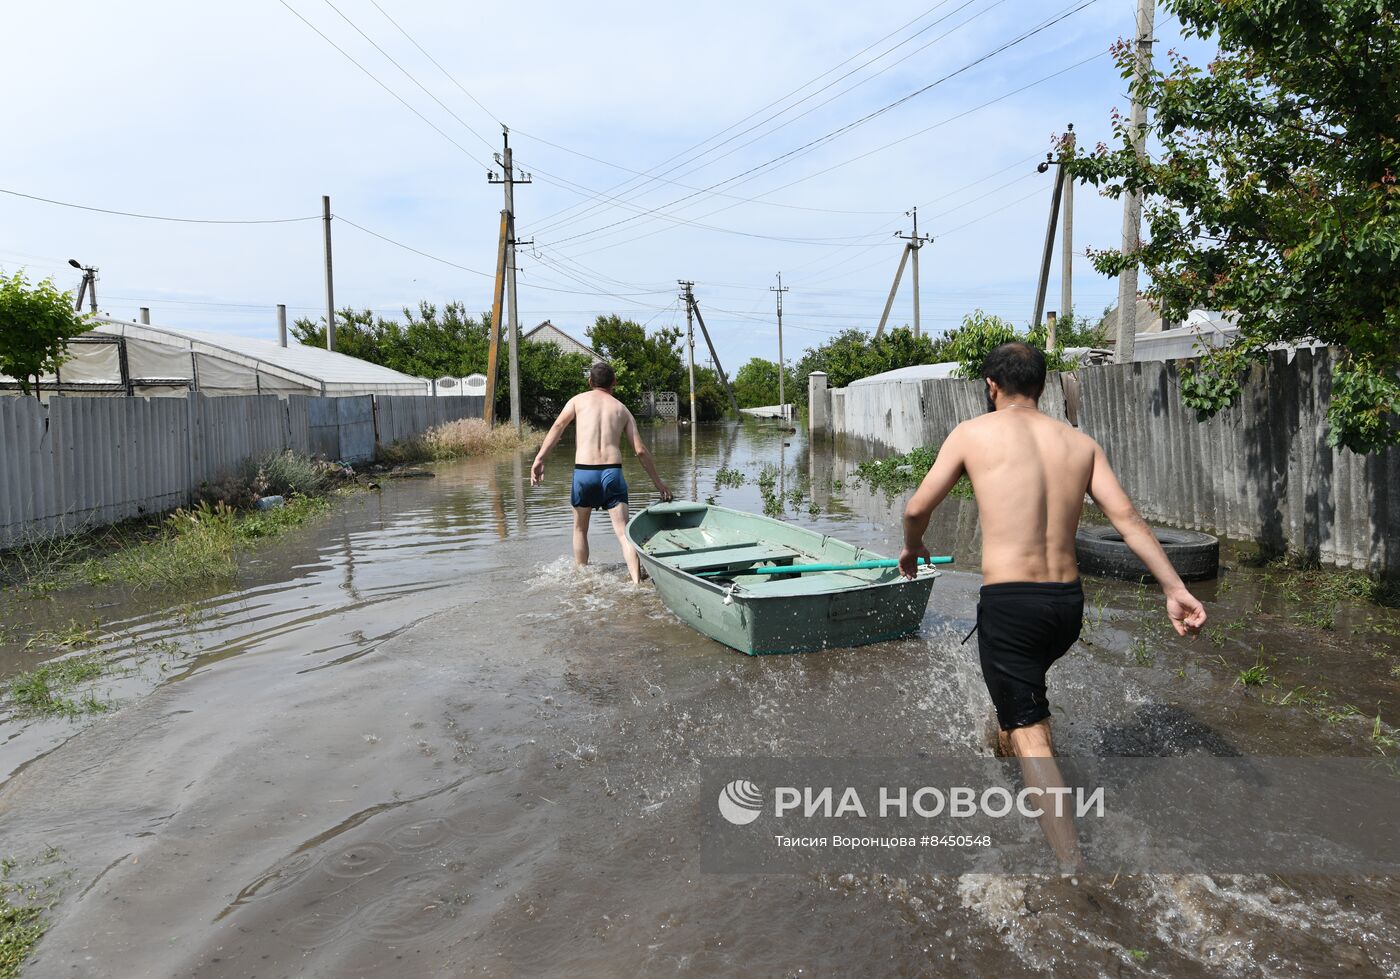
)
(509, 180)
(915, 243)
(714, 357)
(778, 291)
(689, 300)
(497, 302)
(1132, 201)
(1067, 231)
(330, 277)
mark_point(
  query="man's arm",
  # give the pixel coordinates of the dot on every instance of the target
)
(644, 457)
(947, 469)
(556, 432)
(1187, 614)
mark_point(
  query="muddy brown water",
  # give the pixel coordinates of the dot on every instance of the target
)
(415, 740)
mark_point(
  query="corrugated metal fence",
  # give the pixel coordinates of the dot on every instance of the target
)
(81, 462)
(1260, 471)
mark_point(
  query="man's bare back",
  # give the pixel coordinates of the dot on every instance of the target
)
(600, 422)
(1030, 474)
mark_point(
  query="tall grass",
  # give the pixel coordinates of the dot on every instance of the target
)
(455, 440)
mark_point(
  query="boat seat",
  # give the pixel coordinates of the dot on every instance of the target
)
(707, 549)
(737, 556)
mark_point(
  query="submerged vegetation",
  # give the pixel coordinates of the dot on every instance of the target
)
(898, 473)
(51, 689)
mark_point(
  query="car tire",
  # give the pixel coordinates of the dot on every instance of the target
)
(1101, 551)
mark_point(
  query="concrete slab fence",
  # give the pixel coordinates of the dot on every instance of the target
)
(1261, 471)
(82, 462)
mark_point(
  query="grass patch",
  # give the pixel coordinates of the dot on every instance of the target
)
(459, 439)
(898, 473)
(1254, 676)
(21, 926)
(48, 689)
(188, 547)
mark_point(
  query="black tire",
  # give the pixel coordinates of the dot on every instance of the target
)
(1101, 551)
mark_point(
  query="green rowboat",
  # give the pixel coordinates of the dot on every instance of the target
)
(702, 560)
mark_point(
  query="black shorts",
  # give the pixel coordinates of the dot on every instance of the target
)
(1023, 627)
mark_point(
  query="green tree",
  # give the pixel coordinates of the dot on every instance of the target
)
(36, 323)
(643, 362)
(1272, 194)
(448, 342)
(711, 402)
(756, 384)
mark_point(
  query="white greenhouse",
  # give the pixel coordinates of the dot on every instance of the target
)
(119, 358)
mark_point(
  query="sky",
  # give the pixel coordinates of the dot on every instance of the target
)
(722, 143)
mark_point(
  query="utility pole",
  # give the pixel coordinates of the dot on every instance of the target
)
(778, 291)
(889, 303)
(714, 357)
(281, 324)
(509, 180)
(689, 299)
(88, 287)
(330, 277)
(1056, 196)
(915, 243)
(493, 348)
(1067, 231)
(1132, 201)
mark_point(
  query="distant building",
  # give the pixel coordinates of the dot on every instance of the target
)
(547, 332)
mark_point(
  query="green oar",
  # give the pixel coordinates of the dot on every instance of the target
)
(888, 562)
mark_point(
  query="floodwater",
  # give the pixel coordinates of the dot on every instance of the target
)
(416, 740)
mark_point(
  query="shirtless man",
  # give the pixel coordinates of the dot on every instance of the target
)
(598, 483)
(1030, 473)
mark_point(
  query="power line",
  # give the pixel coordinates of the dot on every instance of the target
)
(810, 95)
(763, 108)
(439, 67)
(375, 78)
(157, 217)
(842, 130)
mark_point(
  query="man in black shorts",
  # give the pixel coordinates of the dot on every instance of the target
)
(1030, 474)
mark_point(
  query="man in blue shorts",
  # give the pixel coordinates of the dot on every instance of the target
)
(602, 422)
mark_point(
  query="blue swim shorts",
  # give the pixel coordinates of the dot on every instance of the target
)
(599, 487)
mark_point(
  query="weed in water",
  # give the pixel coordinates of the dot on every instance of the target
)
(1254, 676)
(45, 690)
(898, 473)
(72, 636)
(1321, 617)
(813, 509)
(727, 478)
(1137, 955)
(1142, 652)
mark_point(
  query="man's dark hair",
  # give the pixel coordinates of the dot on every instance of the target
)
(601, 375)
(1018, 368)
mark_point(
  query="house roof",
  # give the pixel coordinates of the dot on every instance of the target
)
(547, 325)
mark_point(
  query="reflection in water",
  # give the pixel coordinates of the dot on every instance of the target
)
(411, 741)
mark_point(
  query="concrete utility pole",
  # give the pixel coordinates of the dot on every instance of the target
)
(146, 317)
(1056, 196)
(330, 277)
(282, 324)
(509, 180)
(1132, 201)
(778, 291)
(688, 297)
(915, 243)
(714, 357)
(889, 303)
(88, 287)
(1067, 232)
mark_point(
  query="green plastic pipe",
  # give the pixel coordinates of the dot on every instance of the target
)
(888, 562)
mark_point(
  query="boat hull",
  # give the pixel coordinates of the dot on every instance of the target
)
(780, 614)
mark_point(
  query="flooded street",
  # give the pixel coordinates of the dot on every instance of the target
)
(416, 740)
